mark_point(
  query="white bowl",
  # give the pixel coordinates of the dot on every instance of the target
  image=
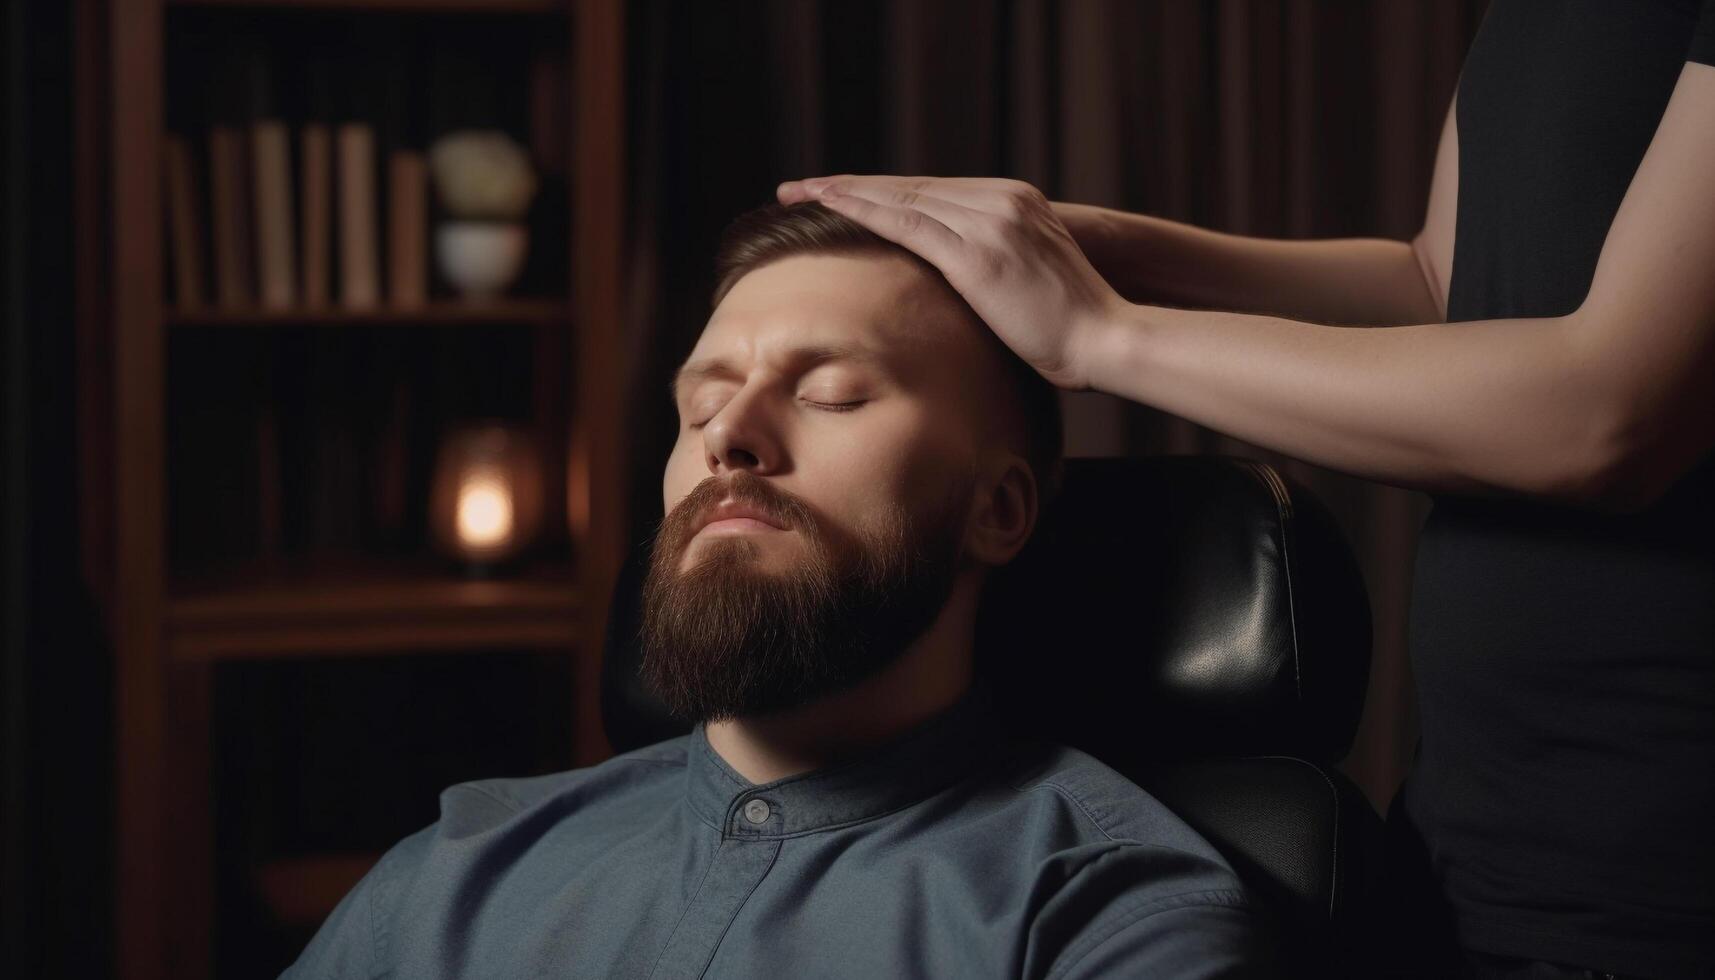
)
(481, 258)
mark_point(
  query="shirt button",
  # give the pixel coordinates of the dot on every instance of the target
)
(756, 811)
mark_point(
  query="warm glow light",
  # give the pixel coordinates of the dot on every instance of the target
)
(485, 503)
(484, 510)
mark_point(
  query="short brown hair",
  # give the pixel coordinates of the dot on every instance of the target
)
(756, 238)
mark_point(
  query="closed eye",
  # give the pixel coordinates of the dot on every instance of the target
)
(821, 406)
(836, 406)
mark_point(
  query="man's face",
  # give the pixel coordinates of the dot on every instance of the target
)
(817, 494)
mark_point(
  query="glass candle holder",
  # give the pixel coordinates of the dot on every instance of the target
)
(485, 506)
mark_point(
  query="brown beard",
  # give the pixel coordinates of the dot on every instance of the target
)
(727, 639)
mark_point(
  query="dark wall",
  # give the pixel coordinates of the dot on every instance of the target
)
(56, 752)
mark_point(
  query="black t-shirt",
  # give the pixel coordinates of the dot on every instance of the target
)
(1565, 659)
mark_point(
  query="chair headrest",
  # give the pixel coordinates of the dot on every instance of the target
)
(1182, 606)
(1167, 607)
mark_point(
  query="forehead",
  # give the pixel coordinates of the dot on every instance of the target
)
(883, 305)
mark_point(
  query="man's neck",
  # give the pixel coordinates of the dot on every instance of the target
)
(929, 677)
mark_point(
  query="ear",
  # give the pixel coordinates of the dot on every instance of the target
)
(1004, 512)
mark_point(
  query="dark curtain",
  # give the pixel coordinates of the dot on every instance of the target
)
(1284, 119)
(56, 754)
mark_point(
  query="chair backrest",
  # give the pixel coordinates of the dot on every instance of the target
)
(1198, 623)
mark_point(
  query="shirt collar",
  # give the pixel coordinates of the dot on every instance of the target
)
(902, 771)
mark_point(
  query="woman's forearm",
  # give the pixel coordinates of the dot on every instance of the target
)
(1483, 407)
(1345, 281)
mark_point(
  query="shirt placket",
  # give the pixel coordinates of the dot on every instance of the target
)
(749, 845)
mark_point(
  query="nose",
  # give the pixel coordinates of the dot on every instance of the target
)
(741, 436)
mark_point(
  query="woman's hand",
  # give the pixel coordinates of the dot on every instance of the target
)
(1001, 245)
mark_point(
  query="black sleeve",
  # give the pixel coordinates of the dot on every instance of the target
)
(1703, 38)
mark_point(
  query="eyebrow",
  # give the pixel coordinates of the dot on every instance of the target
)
(805, 357)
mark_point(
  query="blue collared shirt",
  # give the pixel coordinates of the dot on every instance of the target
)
(952, 851)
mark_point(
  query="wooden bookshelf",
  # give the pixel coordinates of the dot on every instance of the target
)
(171, 627)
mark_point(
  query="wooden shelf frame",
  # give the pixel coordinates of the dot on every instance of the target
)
(165, 645)
(512, 7)
(301, 890)
(523, 311)
(323, 616)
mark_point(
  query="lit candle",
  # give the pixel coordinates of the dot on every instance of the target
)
(486, 503)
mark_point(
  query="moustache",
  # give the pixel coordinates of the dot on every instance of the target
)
(691, 513)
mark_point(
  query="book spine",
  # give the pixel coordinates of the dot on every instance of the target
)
(316, 225)
(183, 226)
(231, 217)
(272, 158)
(360, 286)
(407, 228)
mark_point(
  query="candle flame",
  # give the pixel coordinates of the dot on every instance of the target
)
(484, 510)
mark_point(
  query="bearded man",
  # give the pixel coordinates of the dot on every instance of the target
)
(857, 453)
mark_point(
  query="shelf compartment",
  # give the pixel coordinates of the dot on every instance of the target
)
(540, 312)
(370, 612)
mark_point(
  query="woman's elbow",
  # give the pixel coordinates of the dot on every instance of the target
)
(1624, 467)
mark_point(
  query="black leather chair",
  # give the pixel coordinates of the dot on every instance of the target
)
(1198, 623)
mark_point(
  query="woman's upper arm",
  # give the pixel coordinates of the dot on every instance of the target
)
(1647, 327)
(1433, 244)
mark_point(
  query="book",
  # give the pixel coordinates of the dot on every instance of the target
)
(271, 156)
(316, 222)
(407, 228)
(184, 228)
(231, 215)
(360, 285)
